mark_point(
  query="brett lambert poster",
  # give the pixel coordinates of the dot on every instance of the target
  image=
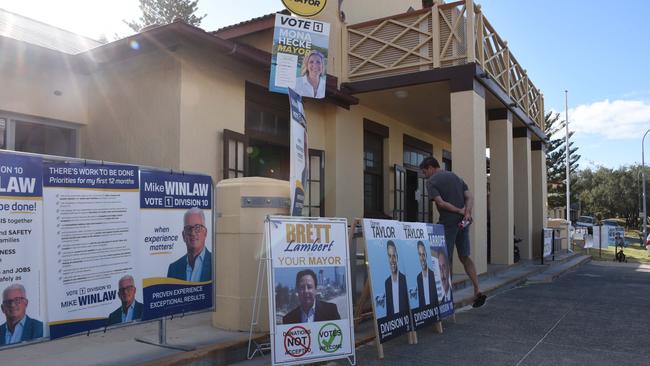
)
(441, 268)
(299, 57)
(175, 246)
(310, 307)
(21, 247)
(390, 295)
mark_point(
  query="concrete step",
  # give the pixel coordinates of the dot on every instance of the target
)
(555, 271)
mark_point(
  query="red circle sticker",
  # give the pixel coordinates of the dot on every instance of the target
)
(297, 341)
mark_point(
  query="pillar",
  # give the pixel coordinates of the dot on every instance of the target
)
(468, 143)
(501, 186)
(539, 192)
(522, 184)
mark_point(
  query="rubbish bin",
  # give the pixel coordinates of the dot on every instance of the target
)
(242, 204)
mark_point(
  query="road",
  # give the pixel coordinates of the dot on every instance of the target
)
(597, 315)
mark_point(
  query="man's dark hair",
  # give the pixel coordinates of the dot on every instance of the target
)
(429, 161)
(390, 243)
(306, 272)
(421, 244)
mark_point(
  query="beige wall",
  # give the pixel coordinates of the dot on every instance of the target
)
(133, 111)
(30, 76)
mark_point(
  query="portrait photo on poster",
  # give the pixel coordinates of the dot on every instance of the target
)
(310, 294)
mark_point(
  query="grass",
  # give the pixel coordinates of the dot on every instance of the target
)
(634, 252)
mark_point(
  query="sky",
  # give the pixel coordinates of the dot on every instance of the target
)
(597, 50)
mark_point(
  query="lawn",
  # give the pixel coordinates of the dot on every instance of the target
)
(633, 252)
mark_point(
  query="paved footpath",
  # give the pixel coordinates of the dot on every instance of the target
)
(597, 315)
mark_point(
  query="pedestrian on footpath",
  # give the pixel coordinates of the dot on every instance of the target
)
(454, 202)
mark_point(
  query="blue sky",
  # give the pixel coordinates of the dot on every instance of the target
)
(597, 50)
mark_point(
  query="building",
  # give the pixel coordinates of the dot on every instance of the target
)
(405, 80)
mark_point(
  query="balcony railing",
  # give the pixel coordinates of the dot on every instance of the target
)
(437, 37)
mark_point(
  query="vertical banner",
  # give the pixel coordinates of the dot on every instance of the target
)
(175, 245)
(441, 269)
(597, 237)
(421, 279)
(310, 304)
(548, 242)
(299, 170)
(91, 223)
(21, 248)
(299, 56)
(389, 287)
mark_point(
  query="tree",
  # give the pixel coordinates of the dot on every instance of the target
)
(164, 12)
(556, 160)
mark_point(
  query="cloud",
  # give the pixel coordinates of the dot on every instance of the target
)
(615, 120)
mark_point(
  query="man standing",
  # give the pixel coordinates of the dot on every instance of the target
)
(395, 285)
(19, 327)
(427, 294)
(131, 309)
(454, 202)
(310, 309)
(196, 265)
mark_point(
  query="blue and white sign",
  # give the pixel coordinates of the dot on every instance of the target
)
(21, 248)
(442, 269)
(175, 242)
(91, 224)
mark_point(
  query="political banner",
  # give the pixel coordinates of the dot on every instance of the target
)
(548, 242)
(299, 56)
(21, 248)
(175, 243)
(389, 287)
(612, 235)
(299, 170)
(596, 240)
(441, 269)
(310, 304)
(90, 227)
(420, 277)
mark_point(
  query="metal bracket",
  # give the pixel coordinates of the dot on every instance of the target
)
(265, 202)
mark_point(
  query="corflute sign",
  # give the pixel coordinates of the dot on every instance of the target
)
(305, 8)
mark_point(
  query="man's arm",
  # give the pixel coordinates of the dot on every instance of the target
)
(469, 203)
(440, 203)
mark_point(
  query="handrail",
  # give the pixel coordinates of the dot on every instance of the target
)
(438, 37)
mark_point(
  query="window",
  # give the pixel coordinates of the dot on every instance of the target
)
(235, 146)
(40, 136)
(446, 160)
(373, 169)
(315, 187)
(412, 201)
(267, 130)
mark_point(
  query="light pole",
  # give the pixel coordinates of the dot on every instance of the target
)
(645, 222)
(568, 171)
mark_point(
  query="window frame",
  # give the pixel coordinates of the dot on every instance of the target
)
(12, 119)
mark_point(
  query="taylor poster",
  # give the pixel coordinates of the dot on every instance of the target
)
(91, 223)
(389, 287)
(441, 269)
(175, 243)
(299, 56)
(299, 170)
(21, 247)
(415, 259)
(310, 305)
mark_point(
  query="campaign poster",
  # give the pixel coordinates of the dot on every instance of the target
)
(299, 170)
(310, 304)
(548, 242)
(91, 223)
(596, 240)
(21, 247)
(389, 288)
(175, 244)
(299, 56)
(441, 269)
(415, 259)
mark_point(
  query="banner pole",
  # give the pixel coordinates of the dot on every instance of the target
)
(162, 338)
(255, 315)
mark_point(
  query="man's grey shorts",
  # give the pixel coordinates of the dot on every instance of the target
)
(459, 237)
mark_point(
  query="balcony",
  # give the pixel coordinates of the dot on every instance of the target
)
(438, 37)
